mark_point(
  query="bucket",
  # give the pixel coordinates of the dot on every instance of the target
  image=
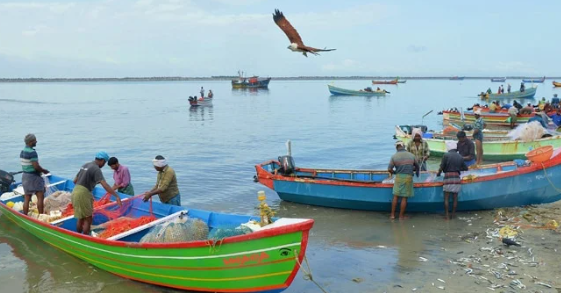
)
(540, 154)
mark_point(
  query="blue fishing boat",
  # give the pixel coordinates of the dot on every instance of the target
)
(345, 92)
(261, 259)
(529, 93)
(498, 79)
(541, 80)
(490, 186)
(457, 78)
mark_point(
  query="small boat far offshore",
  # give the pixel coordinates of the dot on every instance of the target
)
(498, 79)
(541, 80)
(337, 91)
(457, 78)
(250, 82)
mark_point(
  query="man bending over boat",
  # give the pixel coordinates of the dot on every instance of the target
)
(82, 199)
(466, 148)
(31, 179)
(405, 164)
(122, 177)
(166, 183)
(452, 164)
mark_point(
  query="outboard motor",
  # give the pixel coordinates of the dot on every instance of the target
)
(287, 166)
(6, 179)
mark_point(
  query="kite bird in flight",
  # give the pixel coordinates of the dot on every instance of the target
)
(296, 44)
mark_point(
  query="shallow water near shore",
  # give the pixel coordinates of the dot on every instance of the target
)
(214, 149)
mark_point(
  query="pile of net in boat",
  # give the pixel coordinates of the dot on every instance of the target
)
(57, 201)
(527, 132)
(115, 220)
(177, 230)
(69, 210)
(219, 233)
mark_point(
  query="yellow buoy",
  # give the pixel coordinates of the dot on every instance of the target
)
(10, 204)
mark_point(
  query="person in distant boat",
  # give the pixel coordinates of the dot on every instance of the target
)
(466, 148)
(82, 199)
(404, 164)
(499, 90)
(508, 88)
(513, 113)
(122, 177)
(31, 179)
(210, 94)
(378, 89)
(529, 109)
(555, 101)
(202, 92)
(489, 91)
(166, 184)
(419, 147)
(478, 127)
(502, 89)
(522, 87)
(452, 164)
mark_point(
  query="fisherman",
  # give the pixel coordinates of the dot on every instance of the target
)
(405, 164)
(538, 117)
(210, 94)
(478, 127)
(513, 113)
(489, 91)
(529, 109)
(522, 87)
(122, 177)
(466, 148)
(557, 118)
(452, 164)
(420, 148)
(166, 184)
(82, 199)
(555, 101)
(517, 105)
(494, 107)
(31, 179)
(202, 92)
(508, 88)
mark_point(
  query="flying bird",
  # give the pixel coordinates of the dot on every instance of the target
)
(296, 44)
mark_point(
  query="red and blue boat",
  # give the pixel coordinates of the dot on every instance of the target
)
(265, 260)
(491, 186)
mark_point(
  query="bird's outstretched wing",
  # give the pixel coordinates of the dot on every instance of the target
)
(287, 28)
(312, 49)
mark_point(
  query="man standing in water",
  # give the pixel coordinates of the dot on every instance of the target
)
(419, 148)
(405, 164)
(31, 179)
(478, 127)
(82, 198)
(452, 164)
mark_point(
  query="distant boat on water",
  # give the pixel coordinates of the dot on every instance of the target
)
(556, 84)
(250, 82)
(337, 91)
(541, 80)
(457, 78)
(393, 81)
(498, 79)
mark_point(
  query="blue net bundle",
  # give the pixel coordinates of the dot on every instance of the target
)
(219, 233)
(177, 231)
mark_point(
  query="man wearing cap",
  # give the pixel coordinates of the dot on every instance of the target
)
(405, 164)
(466, 148)
(452, 164)
(82, 198)
(513, 113)
(31, 179)
(122, 177)
(166, 183)
(478, 127)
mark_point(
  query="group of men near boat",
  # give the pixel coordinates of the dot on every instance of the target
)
(411, 158)
(88, 177)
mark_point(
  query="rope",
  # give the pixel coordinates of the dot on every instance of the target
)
(307, 273)
(547, 177)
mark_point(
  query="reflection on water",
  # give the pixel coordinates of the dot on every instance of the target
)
(201, 112)
(249, 91)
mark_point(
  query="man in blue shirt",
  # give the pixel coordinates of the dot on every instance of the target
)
(538, 118)
(555, 101)
(556, 118)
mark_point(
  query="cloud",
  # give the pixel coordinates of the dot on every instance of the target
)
(344, 65)
(416, 48)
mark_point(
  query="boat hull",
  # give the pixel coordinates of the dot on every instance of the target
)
(395, 81)
(527, 94)
(345, 92)
(523, 186)
(263, 261)
(556, 84)
(492, 119)
(498, 79)
(534, 80)
(498, 150)
(247, 83)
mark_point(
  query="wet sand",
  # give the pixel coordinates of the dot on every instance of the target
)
(350, 251)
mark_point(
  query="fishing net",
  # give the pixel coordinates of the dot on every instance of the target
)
(49, 188)
(69, 210)
(178, 230)
(527, 132)
(219, 233)
(114, 220)
(57, 201)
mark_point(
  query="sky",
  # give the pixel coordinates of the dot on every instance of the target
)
(127, 38)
